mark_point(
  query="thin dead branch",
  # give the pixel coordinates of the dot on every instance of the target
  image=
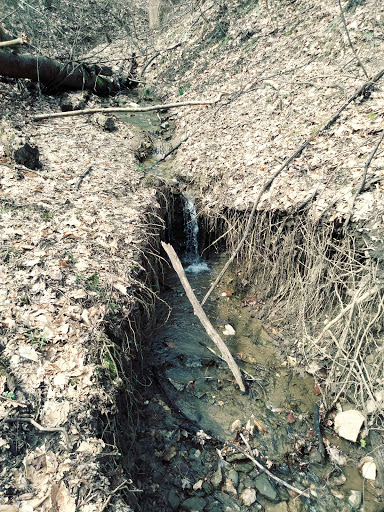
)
(166, 106)
(250, 456)
(363, 179)
(14, 42)
(198, 311)
(350, 42)
(40, 427)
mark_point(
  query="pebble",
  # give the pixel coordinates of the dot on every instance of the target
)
(248, 497)
(234, 476)
(173, 499)
(278, 507)
(348, 424)
(217, 478)
(354, 498)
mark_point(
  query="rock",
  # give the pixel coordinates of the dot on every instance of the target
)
(173, 499)
(368, 470)
(348, 424)
(217, 478)
(66, 104)
(354, 498)
(234, 476)
(236, 425)
(106, 123)
(229, 488)
(248, 497)
(17, 147)
(264, 486)
(229, 330)
(279, 507)
(229, 504)
(193, 504)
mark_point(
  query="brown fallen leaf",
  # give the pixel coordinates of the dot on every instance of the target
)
(290, 417)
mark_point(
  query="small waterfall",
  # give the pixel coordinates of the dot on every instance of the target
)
(191, 229)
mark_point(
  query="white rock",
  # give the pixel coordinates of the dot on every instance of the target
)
(248, 497)
(236, 425)
(229, 330)
(354, 498)
(348, 424)
(369, 470)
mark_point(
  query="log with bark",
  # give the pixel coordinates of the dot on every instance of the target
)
(51, 73)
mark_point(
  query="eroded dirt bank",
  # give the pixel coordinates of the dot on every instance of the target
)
(79, 236)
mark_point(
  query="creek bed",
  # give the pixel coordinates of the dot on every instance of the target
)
(194, 408)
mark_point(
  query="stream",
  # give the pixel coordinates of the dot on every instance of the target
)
(194, 419)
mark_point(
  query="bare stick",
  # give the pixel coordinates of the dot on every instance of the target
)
(88, 111)
(198, 311)
(365, 87)
(82, 176)
(364, 177)
(40, 427)
(14, 42)
(350, 42)
(271, 475)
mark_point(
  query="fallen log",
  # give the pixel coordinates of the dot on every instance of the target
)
(198, 311)
(53, 74)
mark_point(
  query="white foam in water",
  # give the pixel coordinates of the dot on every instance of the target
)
(196, 268)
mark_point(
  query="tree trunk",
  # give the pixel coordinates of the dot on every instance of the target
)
(52, 74)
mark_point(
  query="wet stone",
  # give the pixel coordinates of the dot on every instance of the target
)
(173, 499)
(277, 507)
(234, 476)
(217, 478)
(195, 503)
(244, 467)
(264, 486)
(229, 504)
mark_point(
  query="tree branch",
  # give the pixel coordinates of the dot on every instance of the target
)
(126, 109)
(198, 311)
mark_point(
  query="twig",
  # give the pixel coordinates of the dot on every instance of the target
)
(88, 111)
(363, 178)
(82, 176)
(271, 475)
(26, 169)
(350, 42)
(40, 427)
(198, 311)
(270, 180)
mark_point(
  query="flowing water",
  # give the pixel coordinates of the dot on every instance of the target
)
(196, 407)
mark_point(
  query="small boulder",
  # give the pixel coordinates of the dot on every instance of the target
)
(229, 330)
(348, 424)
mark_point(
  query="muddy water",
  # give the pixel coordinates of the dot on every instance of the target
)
(198, 393)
